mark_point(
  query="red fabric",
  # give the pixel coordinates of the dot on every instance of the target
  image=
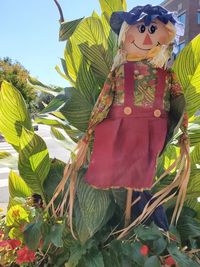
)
(126, 146)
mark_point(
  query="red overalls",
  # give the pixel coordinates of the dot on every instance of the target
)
(128, 142)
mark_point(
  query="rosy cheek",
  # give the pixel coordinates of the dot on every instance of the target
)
(163, 39)
(129, 38)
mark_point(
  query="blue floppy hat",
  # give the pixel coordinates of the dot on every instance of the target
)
(146, 13)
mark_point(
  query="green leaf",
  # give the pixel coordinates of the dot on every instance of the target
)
(147, 233)
(57, 233)
(153, 261)
(13, 114)
(188, 227)
(55, 104)
(91, 40)
(81, 227)
(94, 204)
(16, 215)
(194, 133)
(195, 155)
(76, 109)
(86, 82)
(188, 72)
(181, 258)
(4, 155)
(111, 6)
(73, 57)
(137, 256)
(159, 245)
(77, 251)
(193, 189)
(16, 233)
(9, 162)
(67, 28)
(110, 35)
(32, 235)
(93, 260)
(73, 133)
(34, 162)
(17, 186)
(43, 87)
(110, 259)
(65, 141)
(53, 178)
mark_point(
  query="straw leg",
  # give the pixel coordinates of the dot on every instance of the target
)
(128, 207)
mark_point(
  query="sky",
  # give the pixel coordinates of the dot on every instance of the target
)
(29, 32)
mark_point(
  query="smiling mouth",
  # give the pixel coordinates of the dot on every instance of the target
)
(144, 48)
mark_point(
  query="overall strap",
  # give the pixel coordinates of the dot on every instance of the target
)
(129, 84)
(160, 88)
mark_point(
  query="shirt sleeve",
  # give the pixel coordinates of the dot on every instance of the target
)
(176, 91)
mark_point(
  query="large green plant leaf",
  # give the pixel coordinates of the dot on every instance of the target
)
(86, 82)
(188, 72)
(13, 114)
(90, 38)
(110, 35)
(64, 140)
(53, 178)
(195, 155)
(77, 251)
(67, 28)
(73, 133)
(4, 155)
(32, 235)
(76, 109)
(194, 133)
(73, 57)
(92, 259)
(81, 228)
(111, 6)
(94, 204)
(34, 162)
(17, 186)
(44, 88)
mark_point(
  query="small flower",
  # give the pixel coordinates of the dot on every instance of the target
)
(169, 261)
(4, 243)
(25, 255)
(144, 250)
(14, 243)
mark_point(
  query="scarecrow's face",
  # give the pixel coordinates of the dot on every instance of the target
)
(140, 39)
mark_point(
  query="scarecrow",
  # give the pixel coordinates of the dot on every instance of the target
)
(139, 109)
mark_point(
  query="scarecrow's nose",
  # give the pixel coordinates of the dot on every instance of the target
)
(147, 40)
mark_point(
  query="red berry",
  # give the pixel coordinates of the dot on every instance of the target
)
(144, 250)
(170, 261)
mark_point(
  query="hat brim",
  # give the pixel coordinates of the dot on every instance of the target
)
(147, 13)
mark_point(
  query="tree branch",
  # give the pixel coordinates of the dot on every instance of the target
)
(60, 11)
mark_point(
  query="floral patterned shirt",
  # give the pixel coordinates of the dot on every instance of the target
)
(145, 77)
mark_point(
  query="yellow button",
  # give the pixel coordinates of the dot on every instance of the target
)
(127, 110)
(157, 113)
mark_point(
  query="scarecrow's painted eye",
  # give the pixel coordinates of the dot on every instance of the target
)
(152, 29)
(141, 28)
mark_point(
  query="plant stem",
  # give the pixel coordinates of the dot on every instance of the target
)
(60, 11)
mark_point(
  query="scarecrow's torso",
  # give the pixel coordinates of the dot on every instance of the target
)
(145, 82)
